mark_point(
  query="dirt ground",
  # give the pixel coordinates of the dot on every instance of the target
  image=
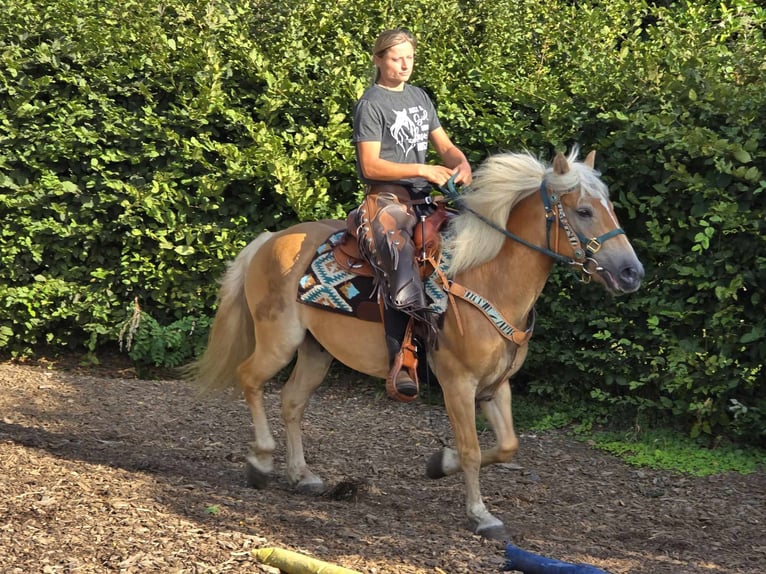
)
(103, 471)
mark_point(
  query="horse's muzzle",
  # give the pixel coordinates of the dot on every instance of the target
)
(630, 277)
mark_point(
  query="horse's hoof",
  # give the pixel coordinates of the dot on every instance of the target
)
(490, 527)
(311, 486)
(256, 478)
(495, 532)
(435, 466)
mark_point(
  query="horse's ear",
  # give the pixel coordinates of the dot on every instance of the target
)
(590, 159)
(560, 164)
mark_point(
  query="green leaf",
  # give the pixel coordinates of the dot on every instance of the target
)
(755, 334)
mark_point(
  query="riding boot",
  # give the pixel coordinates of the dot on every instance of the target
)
(402, 381)
(385, 237)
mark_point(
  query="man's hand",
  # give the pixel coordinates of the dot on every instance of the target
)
(464, 173)
(437, 174)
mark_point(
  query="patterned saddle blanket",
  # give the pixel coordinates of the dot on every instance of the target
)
(327, 285)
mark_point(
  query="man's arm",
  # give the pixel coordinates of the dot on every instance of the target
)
(451, 156)
(375, 168)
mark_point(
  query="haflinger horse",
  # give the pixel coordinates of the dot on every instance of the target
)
(517, 218)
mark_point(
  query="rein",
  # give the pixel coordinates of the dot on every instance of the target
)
(584, 248)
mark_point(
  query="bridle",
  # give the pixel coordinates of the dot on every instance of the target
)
(584, 248)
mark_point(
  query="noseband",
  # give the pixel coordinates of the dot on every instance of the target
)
(584, 248)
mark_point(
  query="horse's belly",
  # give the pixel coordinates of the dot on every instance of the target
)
(357, 344)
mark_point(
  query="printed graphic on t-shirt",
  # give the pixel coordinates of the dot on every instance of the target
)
(410, 129)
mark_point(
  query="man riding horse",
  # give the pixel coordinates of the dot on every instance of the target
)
(393, 125)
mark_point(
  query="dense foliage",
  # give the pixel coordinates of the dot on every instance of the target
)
(144, 142)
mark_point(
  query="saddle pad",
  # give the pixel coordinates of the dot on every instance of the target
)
(328, 286)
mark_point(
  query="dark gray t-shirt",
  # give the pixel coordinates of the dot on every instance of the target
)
(401, 122)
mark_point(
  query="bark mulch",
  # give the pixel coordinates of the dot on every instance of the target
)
(102, 471)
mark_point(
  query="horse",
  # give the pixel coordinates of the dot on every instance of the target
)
(518, 217)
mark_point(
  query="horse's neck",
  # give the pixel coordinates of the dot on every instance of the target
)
(514, 279)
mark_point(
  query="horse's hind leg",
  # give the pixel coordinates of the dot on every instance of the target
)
(309, 372)
(253, 373)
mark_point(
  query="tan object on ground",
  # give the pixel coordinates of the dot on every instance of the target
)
(294, 563)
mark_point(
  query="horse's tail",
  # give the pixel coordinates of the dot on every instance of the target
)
(232, 336)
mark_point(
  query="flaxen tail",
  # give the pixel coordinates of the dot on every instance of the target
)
(232, 337)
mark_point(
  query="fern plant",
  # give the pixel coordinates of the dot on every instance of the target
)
(150, 343)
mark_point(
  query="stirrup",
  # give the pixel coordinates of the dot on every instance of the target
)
(400, 385)
(403, 386)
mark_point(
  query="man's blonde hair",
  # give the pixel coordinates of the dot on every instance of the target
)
(389, 38)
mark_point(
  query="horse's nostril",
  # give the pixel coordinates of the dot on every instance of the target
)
(632, 275)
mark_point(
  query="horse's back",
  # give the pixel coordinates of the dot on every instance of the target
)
(277, 266)
(272, 286)
(294, 245)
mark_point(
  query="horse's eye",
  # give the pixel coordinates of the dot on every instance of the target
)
(584, 212)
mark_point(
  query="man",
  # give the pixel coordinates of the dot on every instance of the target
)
(394, 122)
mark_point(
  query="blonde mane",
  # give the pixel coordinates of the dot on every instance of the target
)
(498, 185)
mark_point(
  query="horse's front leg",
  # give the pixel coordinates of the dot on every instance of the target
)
(500, 417)
(461, 411)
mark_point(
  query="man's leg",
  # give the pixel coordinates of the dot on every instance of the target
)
(395, 323)
(385, 237)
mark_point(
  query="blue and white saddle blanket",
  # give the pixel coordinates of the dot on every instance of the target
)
(328, 286)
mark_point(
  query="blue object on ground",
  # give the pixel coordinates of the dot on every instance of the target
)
(531, 563)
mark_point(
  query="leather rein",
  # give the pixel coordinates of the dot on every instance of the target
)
(583, 248)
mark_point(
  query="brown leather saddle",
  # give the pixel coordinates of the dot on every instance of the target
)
(426, 238)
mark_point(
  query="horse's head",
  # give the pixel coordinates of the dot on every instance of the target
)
(587, 228)
(580, 227)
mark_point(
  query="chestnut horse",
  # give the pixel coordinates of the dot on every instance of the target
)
(519, 216)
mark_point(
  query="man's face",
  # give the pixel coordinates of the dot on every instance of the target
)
(396, 65)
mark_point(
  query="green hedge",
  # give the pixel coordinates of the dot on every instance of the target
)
(688, 146)
(144, 142)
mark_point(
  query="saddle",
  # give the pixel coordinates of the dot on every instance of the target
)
(425, 235)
